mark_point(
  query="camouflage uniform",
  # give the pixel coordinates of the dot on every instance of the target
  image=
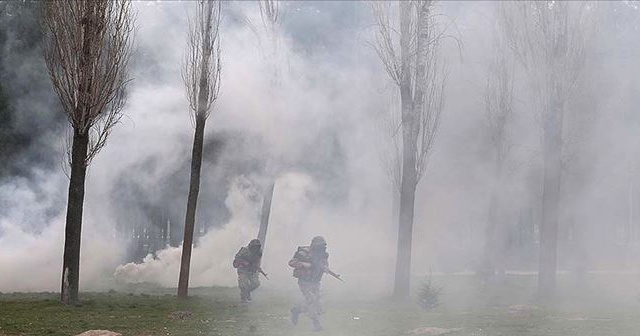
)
(309, 279)
(247, 261)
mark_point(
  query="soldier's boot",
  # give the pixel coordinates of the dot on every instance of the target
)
(248, 296)
(295, 314)
(316, 325)
(243, 296)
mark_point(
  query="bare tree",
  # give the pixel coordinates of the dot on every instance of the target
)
(499, 112)
(414, 66)
(269, 13)
(549, 40)
(201, 77)
(87, 50)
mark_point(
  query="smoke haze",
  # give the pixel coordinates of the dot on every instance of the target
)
(316, 133)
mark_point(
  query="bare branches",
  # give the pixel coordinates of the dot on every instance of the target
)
(87, 50)
(201, 74)
(269, 14)
(270, 17)
(411, 58)
(429, 84)
(499, 94)
(549, 39)
(386, 45)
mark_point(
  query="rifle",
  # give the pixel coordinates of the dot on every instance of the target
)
(263, 273)
(333, 274)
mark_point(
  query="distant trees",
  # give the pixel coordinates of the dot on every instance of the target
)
(413, 65)
(549, 39)
(87, 49)
(201, 77)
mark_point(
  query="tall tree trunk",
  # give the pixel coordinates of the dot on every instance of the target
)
(192, 202)
(489, 264)
(266, 211)
(405, 227)
(395, 206)
(71, 258)
(494, 230)
(412, 106)
(405, 215)
(550, 194)
(79, 152)
(407, 202)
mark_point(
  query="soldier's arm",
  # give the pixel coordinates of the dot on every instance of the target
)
(240, 260)
(325, 261)
(296, 263)
(239, 263)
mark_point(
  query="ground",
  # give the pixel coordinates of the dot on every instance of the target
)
(505, 308)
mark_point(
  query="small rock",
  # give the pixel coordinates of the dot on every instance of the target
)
(522, 310)
(433, 331)
(180, 315)
(99, 333)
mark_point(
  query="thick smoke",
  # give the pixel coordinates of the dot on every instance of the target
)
(319, 188)
(30, 119)
(315, 133)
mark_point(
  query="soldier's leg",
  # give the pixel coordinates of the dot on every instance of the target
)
(243, 284)
(314, 307)
(306, 288)
(300, 307)
(311, 293)
(254, 282)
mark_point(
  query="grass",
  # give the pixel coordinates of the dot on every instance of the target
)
(137, 311)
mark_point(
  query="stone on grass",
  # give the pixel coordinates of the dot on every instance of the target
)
(99, 333)
(180, 315)
(433, 331)
(522, 310)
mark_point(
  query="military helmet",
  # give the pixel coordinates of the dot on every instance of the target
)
(255, 242)
(318, 241)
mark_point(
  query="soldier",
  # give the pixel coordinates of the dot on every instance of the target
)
(247, 261)
(310, 263)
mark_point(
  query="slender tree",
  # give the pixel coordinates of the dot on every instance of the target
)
(201, 77)
(549, 39)
(87, 49)
(499, 112)
(414, 66)
(269, 14)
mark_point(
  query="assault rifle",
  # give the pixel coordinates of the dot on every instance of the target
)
(332, 273)
(263, 273)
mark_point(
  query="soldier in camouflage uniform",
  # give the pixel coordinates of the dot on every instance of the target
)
(247, 261)
(309, 264)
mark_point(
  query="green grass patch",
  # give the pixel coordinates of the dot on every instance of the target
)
(509, 308)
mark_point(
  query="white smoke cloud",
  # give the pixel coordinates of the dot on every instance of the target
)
(294, 221)
(289, 119)
(31, 252)
(212, 255)
(320, 100)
